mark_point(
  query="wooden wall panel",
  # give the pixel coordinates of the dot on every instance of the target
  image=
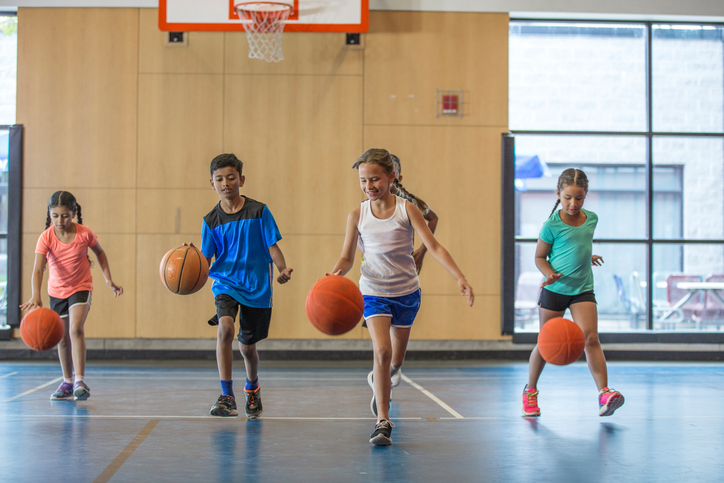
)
(410, 54)
(103, 210)
(109, 317)
(456, 170)
(161, 314)
(175, 210)
(448, 317)
(310, 257)
(305, 53)
(298, 137)
(77, 96)
(202, 54)
(180, 129)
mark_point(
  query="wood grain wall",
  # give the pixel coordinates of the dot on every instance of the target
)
(129, 125)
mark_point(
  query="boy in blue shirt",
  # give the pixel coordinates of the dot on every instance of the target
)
(241, 235)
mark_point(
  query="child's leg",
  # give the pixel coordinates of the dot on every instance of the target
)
(251, 361)
(77, 316)
(399, 337)
(586, 316)
(379, 328)
(536, 362)
(224, 350)
(64, 351)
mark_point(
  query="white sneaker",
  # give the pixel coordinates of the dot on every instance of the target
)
(397, 378)
(370, 381)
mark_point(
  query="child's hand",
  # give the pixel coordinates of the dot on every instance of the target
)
(188, 245)
(596, 260)
(33, 303)
(285, 275)
(117, 289)
(552, 278)
(338, 272)
(466, 290)
(418, 255)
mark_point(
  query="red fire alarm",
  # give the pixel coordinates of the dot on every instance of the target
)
(449, 103)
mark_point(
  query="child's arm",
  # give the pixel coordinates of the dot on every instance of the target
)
(285, 274)
(103, 262)
(38, 269)
(438, 251)
(346, 260)
(542, 249)
(419, 254)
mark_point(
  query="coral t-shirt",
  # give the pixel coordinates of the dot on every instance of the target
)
(68, 265)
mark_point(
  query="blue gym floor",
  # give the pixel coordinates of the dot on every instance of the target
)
(148, 421)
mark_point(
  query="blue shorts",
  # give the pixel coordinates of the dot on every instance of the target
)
(402, 310)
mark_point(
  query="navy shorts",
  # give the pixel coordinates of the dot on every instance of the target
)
(62, 306)
(253, 321)
(402, 310)
(558, 302)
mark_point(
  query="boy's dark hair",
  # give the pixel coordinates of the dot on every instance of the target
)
(224, 160)
(571, 177)
(65, 199)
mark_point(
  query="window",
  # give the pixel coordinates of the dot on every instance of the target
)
(639, 106)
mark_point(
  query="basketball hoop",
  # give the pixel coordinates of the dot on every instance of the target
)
(264, 25)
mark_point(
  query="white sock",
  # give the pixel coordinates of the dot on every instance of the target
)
(68, 380)
(79, 379)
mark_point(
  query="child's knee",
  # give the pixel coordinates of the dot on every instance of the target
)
(248, 350)
(76, 331)
(592, 340)
(383, 355)
(225, 332)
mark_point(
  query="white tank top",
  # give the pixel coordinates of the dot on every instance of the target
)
(388, 269)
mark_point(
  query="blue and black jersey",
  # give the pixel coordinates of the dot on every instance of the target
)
(239, 243)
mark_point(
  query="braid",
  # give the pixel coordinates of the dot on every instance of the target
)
(555, 206)
(421, 205)
(47, 219)
(78, 214)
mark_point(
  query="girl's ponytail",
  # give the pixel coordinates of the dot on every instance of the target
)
(421, 205)
(78, 214)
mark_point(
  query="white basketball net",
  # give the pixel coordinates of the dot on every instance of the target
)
(264, 25)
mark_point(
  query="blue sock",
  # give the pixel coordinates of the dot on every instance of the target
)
(251, 386)
(227, 388)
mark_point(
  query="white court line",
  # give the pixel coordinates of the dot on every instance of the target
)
(8, 374)
(35, 388)
(216, 418)
(432, 396)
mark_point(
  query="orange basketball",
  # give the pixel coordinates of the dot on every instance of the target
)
(561, 341)
(334, 305)
(41, 329)
(184, 270)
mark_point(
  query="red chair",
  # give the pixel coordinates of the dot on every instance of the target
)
(713, 312)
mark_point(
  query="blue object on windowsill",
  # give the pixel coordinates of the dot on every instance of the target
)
(527, 167)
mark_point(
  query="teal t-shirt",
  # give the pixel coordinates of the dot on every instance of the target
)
(570, 254)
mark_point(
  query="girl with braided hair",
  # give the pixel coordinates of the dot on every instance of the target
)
(564, 255)
(430, 216)
(64, 247)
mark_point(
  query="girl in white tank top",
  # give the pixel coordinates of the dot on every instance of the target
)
(383, 227)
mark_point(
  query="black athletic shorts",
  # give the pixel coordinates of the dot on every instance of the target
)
(554, 301)
(253, 321)
(62, 306)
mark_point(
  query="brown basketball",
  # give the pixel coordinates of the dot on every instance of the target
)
(184, 270)
(561, 341)
(334, 305)
(41, 329)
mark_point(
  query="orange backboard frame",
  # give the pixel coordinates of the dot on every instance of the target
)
(230, 22)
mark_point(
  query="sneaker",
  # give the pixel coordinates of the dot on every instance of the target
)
(214, 320)
(609, 400)
(253, 407)
(373, 402)
(530, 402)
(225, 406)
(382, 433)
(64, 392)
(396, 378)
(80, 391)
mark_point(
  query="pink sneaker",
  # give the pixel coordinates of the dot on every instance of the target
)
(530, 402)
(609, 400)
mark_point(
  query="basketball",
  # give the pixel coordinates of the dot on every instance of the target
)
(561, 341)
(184, 270)
(41, 329)
(334, 305)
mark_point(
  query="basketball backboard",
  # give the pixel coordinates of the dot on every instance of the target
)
(349, 16)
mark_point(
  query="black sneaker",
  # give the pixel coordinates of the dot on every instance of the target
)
(382, 433)
(214, 320)
(225, 406)
(253, 407)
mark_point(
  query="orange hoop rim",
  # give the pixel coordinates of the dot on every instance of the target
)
(276, 7)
